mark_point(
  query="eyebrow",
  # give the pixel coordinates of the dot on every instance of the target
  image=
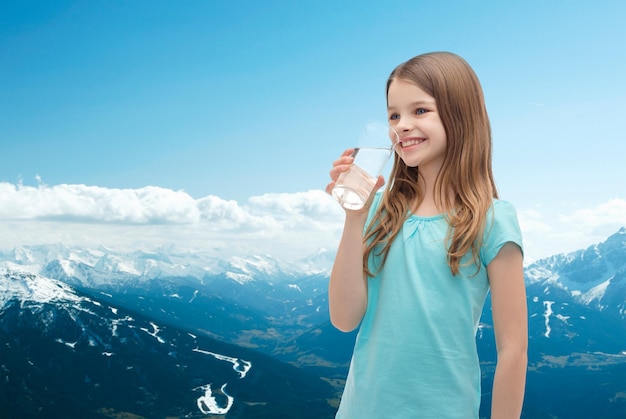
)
(419, 103)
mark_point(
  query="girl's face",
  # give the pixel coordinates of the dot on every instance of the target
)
(413, 114)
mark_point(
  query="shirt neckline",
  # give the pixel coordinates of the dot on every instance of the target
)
(426, 218)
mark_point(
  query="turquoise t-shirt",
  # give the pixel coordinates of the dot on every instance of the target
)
(415, 354)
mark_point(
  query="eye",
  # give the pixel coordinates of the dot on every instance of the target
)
(394, 116)
(421, 111)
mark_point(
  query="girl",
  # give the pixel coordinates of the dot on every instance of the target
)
(413, 268)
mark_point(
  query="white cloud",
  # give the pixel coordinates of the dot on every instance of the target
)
(546, 233)
(288, 225)
(299, 210)
(531, 221)
(92, 203)
(291, 224)
(612, 212)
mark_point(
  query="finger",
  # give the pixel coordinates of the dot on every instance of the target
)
(338, 170)
(342, 164)
(346, 157)
(348, 152)
(344, 160)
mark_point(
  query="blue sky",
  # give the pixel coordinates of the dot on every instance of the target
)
(221, 102)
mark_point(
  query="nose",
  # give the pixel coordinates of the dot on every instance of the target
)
(404, 125)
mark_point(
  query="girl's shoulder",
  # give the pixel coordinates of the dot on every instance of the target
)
(500, 208)
(501, 213)
(502, 226)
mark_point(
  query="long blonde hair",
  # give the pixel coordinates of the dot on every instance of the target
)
(466, 169)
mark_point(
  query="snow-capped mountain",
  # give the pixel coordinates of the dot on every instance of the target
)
(594, 277)
(249, 295)
(104, 266)
(30, 288)
(577, 334)
(576, 302)
(64, 354)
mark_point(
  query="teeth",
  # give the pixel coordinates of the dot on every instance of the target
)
(408, 143)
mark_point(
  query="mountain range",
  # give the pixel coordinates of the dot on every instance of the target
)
(65, 354)
(171, 333)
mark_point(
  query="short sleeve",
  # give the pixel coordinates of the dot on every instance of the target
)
(502, 227)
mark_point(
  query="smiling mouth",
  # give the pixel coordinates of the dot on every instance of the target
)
(411, 142)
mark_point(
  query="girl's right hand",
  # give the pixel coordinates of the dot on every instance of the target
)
(341, 165)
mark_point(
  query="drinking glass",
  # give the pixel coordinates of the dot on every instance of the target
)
(375, 147)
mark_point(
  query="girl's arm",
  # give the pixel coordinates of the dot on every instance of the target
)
(510, 320)
(347, 290)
